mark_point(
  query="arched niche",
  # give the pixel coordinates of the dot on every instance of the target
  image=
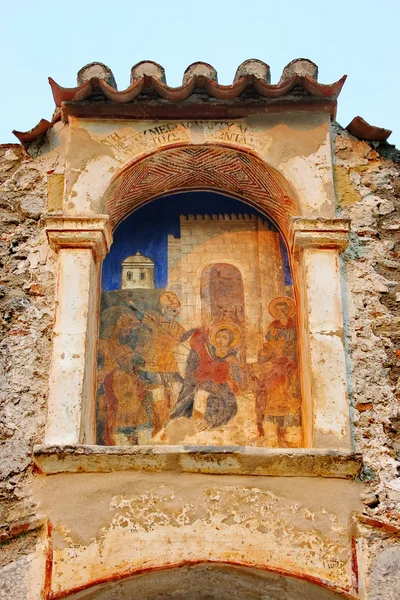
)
(198, 376)
(211, 581)
(313, 244)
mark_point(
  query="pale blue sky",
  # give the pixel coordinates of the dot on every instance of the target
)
(42, 38)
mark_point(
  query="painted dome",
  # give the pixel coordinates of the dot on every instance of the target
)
(137, 259)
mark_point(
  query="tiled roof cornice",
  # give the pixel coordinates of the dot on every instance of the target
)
(196, 83)
(199, 96)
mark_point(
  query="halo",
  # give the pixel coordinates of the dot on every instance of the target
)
(279, 300)
(225, 325)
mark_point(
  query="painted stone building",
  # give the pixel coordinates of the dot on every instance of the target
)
(224, 421)
(251, 248)
(137, 272)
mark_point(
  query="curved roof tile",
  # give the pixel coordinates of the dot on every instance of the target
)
(26, 137)
(196, 82)
(298, 83)
(364, 131)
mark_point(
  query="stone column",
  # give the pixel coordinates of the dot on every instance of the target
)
(81, 243)
(317, 244)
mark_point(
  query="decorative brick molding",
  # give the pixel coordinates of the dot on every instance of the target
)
(235, 172)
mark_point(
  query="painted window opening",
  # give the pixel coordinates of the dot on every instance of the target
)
(198, 328)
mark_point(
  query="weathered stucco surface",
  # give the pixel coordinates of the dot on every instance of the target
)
(302, 154)
(108, 525)
(264, 522)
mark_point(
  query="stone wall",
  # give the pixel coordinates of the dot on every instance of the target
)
(368, 186)
(27, 285)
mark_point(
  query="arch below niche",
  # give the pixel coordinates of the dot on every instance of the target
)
(218, 168)
(211, 581)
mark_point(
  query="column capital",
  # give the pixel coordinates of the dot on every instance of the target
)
(92, 233)
(325, 234)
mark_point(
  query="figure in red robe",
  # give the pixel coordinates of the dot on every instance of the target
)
(212, 367)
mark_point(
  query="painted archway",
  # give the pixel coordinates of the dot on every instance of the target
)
(199, 336)
(222, 293)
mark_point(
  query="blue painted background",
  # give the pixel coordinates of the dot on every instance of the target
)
(147, 229)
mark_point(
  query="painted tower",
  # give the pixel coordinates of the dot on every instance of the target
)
(137, 272)
(242, 250)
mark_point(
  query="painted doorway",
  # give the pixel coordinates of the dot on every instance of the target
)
(222, 294)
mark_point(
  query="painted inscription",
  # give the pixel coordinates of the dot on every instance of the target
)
(198, 331)
(127, 139)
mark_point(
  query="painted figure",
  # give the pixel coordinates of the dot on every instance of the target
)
(185, 366)
(278, 397)
(120, 395)
(161, 337)
(213, 376)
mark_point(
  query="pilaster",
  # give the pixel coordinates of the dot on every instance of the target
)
(81, 244)
(317, 244)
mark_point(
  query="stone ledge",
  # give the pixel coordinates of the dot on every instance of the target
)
(16, 528)
(324, 234)
(231, 460)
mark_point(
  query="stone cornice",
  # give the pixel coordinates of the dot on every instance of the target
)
(276, 462)
(64, 232)
(320, 233)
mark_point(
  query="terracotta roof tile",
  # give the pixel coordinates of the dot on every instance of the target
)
(97, 92)
(26, 137)
(364, 131)
(196, 82)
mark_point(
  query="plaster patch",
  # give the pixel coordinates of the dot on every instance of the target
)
(91, 185)
(327, 357)
(311, 176)
(238, 524)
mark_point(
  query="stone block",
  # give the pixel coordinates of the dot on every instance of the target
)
(55, 192)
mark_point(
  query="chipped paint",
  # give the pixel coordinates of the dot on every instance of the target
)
(271, 526)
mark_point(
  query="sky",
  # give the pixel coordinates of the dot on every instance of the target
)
(42, 38)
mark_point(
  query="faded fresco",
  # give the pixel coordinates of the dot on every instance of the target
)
(198, 329)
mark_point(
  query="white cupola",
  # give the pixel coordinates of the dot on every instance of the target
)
(137, 272)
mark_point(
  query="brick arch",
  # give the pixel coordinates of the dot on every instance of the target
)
(223, 169)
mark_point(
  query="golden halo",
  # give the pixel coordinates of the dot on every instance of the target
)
(279, 300)
(225, 325)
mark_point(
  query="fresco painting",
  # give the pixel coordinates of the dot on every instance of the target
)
(198, 335)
